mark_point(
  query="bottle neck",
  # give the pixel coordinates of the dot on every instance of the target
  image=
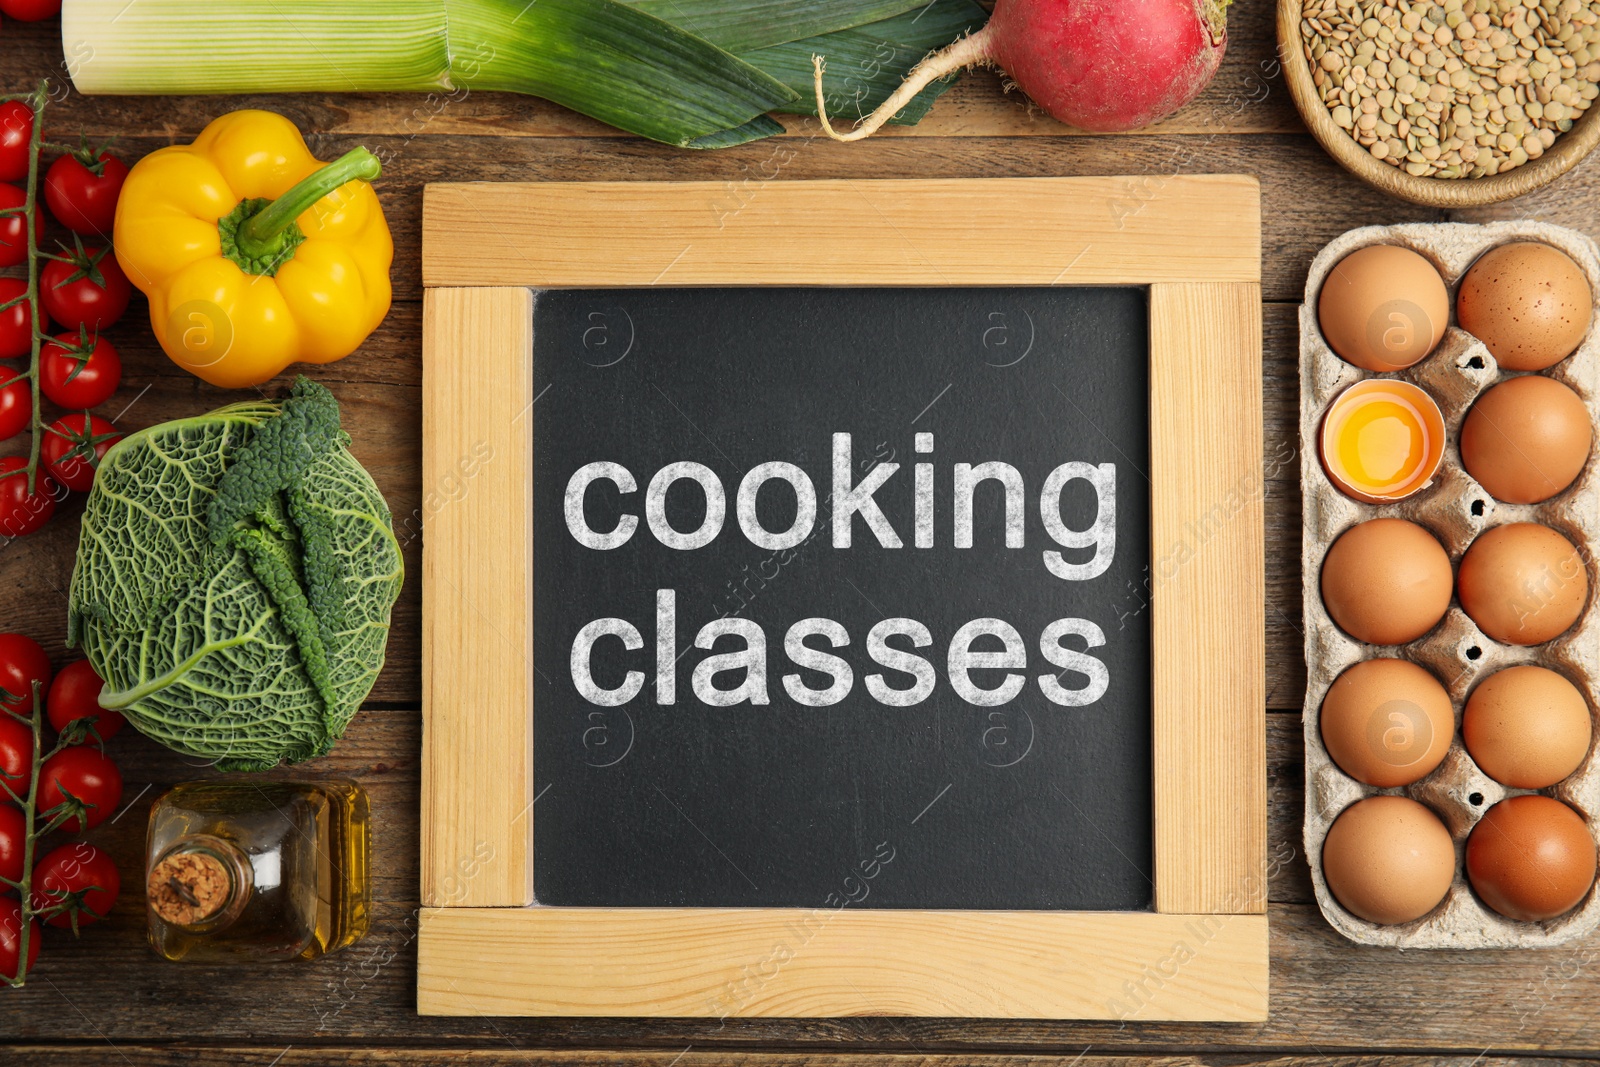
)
(201, 883)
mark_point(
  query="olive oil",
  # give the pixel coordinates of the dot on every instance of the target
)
(253, 870)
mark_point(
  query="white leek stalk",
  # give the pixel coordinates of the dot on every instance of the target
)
(255, 46)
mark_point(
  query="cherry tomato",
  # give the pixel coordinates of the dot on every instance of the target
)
(75, 694)
(16, 755)
(11, 938)
(87, 774)
(13, 228)
(73, 447)
(16, 131)
(30, 10)
(70, 379)
(13, 839)
(22, 513)
(16, 403)
(79, 875)
(83, 198)
(85, 289)
(22, 662)
(16, 322)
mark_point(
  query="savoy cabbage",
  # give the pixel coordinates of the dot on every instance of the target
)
(234, 579)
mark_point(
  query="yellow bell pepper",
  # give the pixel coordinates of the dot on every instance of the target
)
(254, 254)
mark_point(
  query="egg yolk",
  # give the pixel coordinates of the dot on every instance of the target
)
(1382, 444)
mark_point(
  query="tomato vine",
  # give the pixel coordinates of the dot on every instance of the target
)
(35, 102)
(75, 732)
(77, 287)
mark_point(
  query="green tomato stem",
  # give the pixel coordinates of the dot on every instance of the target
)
(30, 840)
(34, 832)
(31, 210)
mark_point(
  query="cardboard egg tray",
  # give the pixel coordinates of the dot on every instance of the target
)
(1456, 509)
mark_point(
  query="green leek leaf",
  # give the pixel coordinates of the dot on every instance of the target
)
(757, 128)
(869, 62)
(930, 25)
(744, 25)
(611, 62)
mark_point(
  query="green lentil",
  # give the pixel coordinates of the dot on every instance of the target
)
(1460, 88)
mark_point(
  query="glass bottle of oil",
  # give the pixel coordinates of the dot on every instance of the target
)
(258, 870)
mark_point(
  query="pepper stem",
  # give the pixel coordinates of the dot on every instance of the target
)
(264, 234)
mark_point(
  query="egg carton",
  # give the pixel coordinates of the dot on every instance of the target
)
(1456, 509)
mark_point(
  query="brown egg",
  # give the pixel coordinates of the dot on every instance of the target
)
(1528, 302)
(1531, 858)
(1386, 581)
(1388, 859)
(1526, 439)
(1387, 722)
(1527, 727)
(1383, 307)
(1522, 583)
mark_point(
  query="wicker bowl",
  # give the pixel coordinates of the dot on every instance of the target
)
(1568, 149)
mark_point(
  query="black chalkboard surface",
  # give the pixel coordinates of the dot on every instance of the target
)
(874, 779)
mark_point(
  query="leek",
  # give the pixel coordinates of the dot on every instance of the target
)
(745, 25)
(866, 64)
(695, 73)
(255, 46)
(757, 128)
(611, 62)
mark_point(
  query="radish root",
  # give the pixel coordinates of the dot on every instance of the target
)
(963, 53)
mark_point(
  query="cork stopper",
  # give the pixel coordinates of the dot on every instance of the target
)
(187, 888)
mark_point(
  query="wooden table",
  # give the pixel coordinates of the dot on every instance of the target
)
(108, 1000)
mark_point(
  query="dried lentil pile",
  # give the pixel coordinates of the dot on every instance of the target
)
(1458, 88)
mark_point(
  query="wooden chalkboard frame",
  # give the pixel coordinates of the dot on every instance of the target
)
(1199, 954)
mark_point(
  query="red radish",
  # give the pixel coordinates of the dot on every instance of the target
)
(1106, 65)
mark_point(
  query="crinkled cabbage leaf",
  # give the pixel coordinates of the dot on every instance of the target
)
(234, 579)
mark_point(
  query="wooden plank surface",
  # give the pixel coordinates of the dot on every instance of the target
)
(477, 588)
(272, 1056)
(1207, 596)
(726, 963)
(1327, 994)
(105, 999)
(1020, 231)
(1293, 230)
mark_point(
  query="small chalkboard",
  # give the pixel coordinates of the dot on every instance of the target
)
(843, 597)
(996, 443)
